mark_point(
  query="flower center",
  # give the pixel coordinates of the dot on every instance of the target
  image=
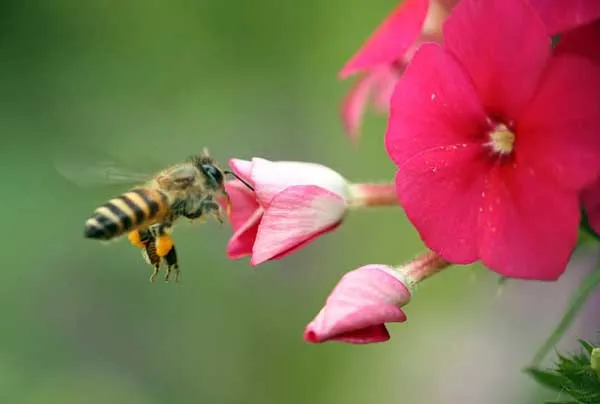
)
(502, 140)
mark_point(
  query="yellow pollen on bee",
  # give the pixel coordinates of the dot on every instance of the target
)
(164, 244)
(502, 140)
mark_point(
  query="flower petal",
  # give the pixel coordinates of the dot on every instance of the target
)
(242, 241)
(441, 193)
(563, 15)
(391, 39)
(377, 85)
(270, 178)
(355, 105)
(582, 41)
(321, 329)
(385, 84)
(295, 217)
(359, 306)
(528, 228)
(243, 168)
(243, 203)
(504, 46)
(560, 128)
(434, 105)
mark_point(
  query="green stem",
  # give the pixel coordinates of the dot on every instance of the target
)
(585, 290)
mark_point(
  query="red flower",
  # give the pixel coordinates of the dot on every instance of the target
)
(495, 135)
(382, 59)
(563, 15)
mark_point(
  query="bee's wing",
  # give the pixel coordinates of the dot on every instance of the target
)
(94, 174)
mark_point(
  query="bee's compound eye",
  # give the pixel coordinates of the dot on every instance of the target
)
(213, 173)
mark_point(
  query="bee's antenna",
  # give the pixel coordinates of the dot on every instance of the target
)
(238, 178)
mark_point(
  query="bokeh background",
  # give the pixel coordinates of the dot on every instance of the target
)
(150, 82)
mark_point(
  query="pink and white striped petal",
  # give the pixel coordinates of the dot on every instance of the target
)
(270, 178)
(359, 306)
(243, 168)
(295, 217)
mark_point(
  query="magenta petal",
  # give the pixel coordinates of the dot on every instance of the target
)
(294, 217)
(441, 192)
(359, 306)
(391, 39)
(434, 105)
(385, 84)
(591, 203)
(504, 46)
(563, 15)
(355, 104)
(528, 228)
(375, 86)
(582, 41)
(560, 129)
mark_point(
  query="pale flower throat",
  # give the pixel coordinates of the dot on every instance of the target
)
(502, 140)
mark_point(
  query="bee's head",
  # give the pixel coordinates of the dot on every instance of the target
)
(214, 175)
(208, 167)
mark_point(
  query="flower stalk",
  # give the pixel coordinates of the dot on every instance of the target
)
(423, 267)
(372, 195)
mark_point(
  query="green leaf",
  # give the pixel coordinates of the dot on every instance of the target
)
(581, 295)
(587, 346)
(563, 402)
(573, 376)
(551, 380)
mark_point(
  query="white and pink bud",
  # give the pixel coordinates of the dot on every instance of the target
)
(366, 299)
(292, 204)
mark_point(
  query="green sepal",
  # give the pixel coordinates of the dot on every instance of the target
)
(552, 380)
(572, 376)
(586, 232)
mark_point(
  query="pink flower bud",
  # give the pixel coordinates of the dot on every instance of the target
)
(359, 306)
(292, 204)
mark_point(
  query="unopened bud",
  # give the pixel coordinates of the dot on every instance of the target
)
(595, 361)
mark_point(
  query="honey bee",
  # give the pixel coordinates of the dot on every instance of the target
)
(148, 212)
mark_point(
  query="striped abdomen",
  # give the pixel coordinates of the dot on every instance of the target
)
(134, 209)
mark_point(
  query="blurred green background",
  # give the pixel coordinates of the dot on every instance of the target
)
(151, 82)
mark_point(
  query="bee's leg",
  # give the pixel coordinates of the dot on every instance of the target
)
(172, 265)
(149, 254)
(196, 215)
(164, 242)
(155, 273)
(213, 209)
